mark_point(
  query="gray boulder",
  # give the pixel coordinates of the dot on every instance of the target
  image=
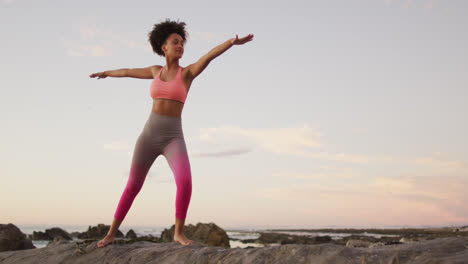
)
(11, 238)
(131, 234)
(357, 243)
(98, 231)
(39, 235)
(50, 234)
(208, 234)
(283, 239)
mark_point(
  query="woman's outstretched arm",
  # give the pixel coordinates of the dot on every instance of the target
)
(140, 73)
(196, 68)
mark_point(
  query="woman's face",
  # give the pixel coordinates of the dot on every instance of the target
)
(174, 46)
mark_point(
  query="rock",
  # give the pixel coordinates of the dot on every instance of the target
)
(58, 232)
(131, 234)
(407, 240)
(50, 234)
(441, 250)
(377, 244)
(208, 234)
(11, 238)
(98, 231)
(357, 243)
(283, 239)
(39, 235)
(57, 241)
(384, 239)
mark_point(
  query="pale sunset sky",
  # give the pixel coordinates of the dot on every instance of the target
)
(338, 113)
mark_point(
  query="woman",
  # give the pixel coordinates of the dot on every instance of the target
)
(163, 133)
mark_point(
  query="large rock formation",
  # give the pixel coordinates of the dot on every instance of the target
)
(98, 231)
(442, 250)
(131, 234)
(11, 238)
(51, 234)
(209, 234)
(283, 239)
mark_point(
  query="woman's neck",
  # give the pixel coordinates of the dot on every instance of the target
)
(172, 64)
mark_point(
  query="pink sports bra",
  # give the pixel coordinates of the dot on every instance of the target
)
(174, 89)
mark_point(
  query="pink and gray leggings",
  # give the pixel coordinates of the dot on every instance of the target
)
(161, 135)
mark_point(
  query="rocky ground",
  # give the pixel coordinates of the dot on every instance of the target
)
(409, 246)
(442, 250)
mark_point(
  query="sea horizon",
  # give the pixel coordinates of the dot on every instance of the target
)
(29, 228)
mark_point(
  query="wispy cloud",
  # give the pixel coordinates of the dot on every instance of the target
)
(92, 40)
(301, 141)
(444, 11)
(427, 5)
(79, 50)
(208, 36)
(407, 4)
(430, 4)
(441, 163)
(408, 198)
(327, 174)
(223, 153)
(128, 147)
(118, 145)
(277, 140)
(354, 158)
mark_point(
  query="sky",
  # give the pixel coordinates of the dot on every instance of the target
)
(337, 114)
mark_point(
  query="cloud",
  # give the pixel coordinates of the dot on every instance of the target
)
(328, 174)
(127, 146)
(76, 50)
(405, 199)
(118, 145)
(441, 163)
(276, 140)
(353, 158)
(444, 11)
(209, 36)
(224, 153)
(387, 2)
(430, 4)
(300, 141)
(407, 3)
(206, 36)
(95, 41)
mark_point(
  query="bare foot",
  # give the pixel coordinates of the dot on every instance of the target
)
(181, 239)
(106, 240)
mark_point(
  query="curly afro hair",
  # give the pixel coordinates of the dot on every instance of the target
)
(161, 32)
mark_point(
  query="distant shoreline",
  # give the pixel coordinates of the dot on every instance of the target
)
(265, 228)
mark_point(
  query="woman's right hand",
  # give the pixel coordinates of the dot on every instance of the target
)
(100, 75)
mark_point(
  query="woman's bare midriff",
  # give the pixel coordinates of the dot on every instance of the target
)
(168, 107)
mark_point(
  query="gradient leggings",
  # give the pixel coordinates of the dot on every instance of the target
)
(161, 135)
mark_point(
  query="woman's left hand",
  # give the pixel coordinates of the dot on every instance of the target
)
(240, 41)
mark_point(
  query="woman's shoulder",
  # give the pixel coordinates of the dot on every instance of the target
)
(155, 70)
